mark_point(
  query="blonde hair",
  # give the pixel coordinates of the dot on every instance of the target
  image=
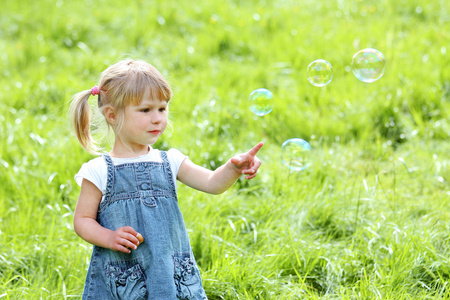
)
(121, 84)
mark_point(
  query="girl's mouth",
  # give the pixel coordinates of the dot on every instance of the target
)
(155, 132)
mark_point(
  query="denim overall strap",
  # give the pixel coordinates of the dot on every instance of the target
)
(168, 170)
(109, 181)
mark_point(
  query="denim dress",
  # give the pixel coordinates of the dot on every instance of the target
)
(142, 195)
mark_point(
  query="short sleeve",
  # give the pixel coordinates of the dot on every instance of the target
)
(175, 158)
(95, 171)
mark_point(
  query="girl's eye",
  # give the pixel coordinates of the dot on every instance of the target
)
(162, 109)
(145, 110)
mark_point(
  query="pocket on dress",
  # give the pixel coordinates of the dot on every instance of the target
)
(126, 280)
(186, 276)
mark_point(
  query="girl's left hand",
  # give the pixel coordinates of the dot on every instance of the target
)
(247, 163)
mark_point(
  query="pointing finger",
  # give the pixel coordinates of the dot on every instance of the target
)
(255, 149)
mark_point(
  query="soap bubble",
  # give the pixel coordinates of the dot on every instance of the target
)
(295, 154)
(261, 102)
(368, 65)
(320, 72)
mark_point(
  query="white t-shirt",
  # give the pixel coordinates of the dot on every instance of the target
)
(96, 170)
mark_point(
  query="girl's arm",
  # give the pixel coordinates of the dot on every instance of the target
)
(87, 227)
(218, 181)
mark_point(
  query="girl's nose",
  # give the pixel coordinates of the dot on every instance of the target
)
(156, 118)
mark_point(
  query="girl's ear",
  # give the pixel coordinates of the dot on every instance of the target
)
(110, 115)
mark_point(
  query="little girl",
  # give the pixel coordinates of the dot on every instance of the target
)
(131, 192)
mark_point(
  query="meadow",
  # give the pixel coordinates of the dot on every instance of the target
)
(368, 220)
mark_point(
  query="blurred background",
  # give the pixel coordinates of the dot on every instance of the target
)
(367, 220)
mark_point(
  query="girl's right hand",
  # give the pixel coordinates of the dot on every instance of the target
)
(123, 239)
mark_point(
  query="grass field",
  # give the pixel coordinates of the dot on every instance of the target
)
(368, 220)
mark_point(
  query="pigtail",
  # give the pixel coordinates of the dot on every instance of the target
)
(81, 114)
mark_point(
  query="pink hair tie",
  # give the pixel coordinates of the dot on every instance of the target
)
(95, 91)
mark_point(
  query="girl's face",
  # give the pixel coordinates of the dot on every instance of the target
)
(144, 123)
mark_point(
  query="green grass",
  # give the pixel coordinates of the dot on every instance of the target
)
(368, 219)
